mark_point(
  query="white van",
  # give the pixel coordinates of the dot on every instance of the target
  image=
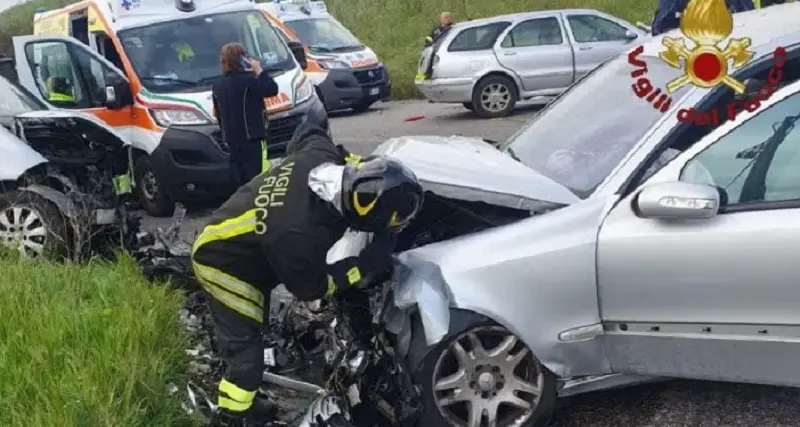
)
(346, 73)
(146, 67)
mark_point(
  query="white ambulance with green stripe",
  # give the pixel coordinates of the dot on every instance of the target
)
(146, 67)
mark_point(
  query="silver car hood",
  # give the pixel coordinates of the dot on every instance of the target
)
(471, 169)
(16, 156)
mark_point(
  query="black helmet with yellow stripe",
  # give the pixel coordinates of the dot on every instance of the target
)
(380, 194)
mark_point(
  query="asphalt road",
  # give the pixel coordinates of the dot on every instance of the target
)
(666, 404)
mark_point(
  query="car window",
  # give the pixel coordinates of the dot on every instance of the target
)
(477, 38)
(591, 28)
(14, 100)
(56, 76)
(757, 161)
(534, 32)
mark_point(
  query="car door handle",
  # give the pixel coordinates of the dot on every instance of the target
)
(585, 48)
(509, 53)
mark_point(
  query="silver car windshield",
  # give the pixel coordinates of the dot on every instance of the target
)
(579, 139)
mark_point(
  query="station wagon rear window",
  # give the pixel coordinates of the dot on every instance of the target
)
(477, 38)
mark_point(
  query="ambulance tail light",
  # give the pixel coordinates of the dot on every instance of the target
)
(178, 117)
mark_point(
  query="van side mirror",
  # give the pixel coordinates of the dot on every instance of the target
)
(118, 95)
(299, 52)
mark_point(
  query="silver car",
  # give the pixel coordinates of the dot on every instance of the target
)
(489, 64)
(647, 248)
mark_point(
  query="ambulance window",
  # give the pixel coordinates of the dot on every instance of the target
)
(110, 51)
(55, 74)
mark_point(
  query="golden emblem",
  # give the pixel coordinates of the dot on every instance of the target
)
(706, 23)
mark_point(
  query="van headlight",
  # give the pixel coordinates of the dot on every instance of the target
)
(303, 91)
(166, 117)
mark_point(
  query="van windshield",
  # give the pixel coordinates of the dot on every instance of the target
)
(324, 35)
(183, 55)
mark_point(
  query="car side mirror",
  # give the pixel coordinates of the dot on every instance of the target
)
(630, 35)
(299, 52)
(677, 200)
(118, 95)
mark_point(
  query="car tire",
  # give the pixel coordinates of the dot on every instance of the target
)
(469, 106)
(155, 201)
(360, 108)
(486, 377)
(494, 96)
(33, 225)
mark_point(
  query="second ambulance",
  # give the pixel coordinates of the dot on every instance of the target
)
(146, 67)
(347, 74)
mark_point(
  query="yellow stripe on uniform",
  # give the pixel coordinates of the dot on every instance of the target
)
(233, 302)
(242, 224)
(230, 283)
(237, 399)
(265, 165)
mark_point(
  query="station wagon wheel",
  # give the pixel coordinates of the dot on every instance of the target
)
(494, 96)
(484, 376)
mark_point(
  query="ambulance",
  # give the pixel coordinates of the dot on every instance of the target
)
(146, 67)
(346, 73)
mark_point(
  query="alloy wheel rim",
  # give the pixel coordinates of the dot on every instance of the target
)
(487, 378)
(495, 97)
(149, 185)
(22, 228)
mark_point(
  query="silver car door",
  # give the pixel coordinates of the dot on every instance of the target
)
(712, 298)
(538, 51)
(595, 39)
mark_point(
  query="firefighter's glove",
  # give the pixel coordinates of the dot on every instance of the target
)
(373, 262)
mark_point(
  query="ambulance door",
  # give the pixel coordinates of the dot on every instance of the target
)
(66, 74)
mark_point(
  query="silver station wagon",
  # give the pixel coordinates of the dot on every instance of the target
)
(489, 64)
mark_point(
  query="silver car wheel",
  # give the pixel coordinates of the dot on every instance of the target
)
(487, 378)
(22, 228)
(495, 97)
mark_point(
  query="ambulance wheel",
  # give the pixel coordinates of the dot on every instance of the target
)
(33, 226)
(152, 198)
(360, 108)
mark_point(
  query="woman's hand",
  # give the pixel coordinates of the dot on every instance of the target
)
(255, 65)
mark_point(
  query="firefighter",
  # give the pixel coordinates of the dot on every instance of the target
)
(445, 23)
(241, 112)
(277, 229)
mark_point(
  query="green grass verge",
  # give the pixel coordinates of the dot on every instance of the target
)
(92, 345)
(394, 28)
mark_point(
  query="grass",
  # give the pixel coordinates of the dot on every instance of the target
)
(394, 29)
(87, 346)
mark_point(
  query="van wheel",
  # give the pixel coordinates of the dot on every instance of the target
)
(494, 96)
(33, 226)
(481, 374)
(152, 198)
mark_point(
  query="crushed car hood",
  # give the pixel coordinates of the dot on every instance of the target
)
(16, 156)
(471, 169)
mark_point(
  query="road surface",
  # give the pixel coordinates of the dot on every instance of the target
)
(667, 404)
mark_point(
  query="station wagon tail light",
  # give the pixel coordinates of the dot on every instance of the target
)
(180, 117)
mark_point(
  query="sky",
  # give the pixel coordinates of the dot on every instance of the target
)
(5, 4)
